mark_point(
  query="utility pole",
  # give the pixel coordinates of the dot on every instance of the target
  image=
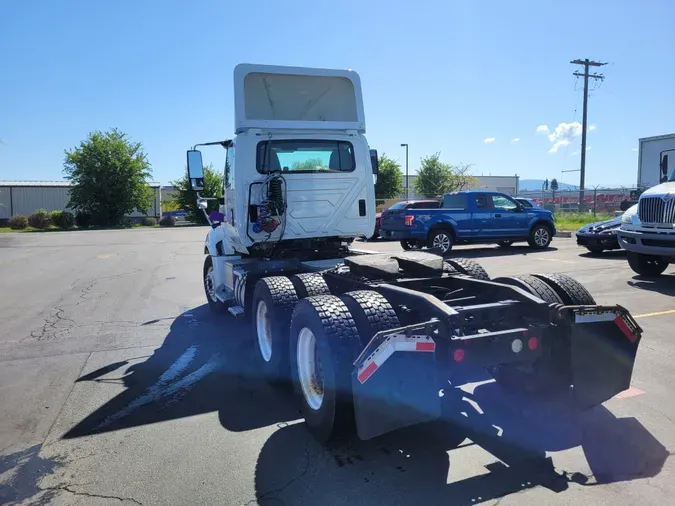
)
(406, 170)
(586, 63)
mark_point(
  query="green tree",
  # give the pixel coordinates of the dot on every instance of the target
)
(310, 164)
(110, 176)
(389, 180)
(434, 178)
(554, 187)
(187, 199)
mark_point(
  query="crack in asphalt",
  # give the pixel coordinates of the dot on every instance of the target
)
(67, 488)
(301, 474)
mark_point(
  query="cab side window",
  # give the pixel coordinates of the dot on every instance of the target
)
(503, 203)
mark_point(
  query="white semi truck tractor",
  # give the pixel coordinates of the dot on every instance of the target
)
(647, 230)
(369, 341)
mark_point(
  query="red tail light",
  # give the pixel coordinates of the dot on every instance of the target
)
(533, 343)
(458, 355)
(409, 221)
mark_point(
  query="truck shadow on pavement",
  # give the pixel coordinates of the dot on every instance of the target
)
(505, 453)
(496, 251)
(204, 366)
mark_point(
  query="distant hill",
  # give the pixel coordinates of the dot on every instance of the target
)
(535, 184)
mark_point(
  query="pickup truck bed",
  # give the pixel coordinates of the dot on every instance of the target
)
(470, 217)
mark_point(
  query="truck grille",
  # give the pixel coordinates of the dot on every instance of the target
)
(655, 210)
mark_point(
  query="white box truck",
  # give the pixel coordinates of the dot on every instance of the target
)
(650, 153)
(370, 340)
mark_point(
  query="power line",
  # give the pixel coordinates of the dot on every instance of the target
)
(587, 64)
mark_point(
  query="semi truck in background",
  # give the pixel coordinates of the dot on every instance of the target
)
(647, 230)
(650, 171)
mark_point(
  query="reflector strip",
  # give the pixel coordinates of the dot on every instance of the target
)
(624, 328)
(393, 344)
(367, 372)
(594, 317)
(428, 346)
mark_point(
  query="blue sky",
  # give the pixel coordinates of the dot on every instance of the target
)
(439, 75)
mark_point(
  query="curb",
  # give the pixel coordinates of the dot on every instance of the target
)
(562, 233)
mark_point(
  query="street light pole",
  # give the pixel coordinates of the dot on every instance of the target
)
(406, 170)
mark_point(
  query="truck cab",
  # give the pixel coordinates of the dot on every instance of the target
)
(647, 230)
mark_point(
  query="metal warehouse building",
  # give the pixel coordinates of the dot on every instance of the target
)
(26, 197)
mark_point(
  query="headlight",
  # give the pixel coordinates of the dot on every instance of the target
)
(630, 216)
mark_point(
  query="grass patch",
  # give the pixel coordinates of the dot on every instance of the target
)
(56, 229)
(574, 221)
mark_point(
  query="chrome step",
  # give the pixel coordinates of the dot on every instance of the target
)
(236, 310)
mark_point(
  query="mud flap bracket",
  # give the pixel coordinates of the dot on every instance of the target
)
(395, 381)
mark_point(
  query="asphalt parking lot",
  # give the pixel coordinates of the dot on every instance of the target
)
(118, 386)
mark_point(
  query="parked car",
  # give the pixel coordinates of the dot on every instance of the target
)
(527, 202)
(470, 217)
(599, 236)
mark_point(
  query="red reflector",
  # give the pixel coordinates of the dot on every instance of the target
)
(624, 328)
(427, 346)
(458, 355)
(409, 220)
(533, 343)
(367, 372)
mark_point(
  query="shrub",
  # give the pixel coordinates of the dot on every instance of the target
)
(18, 222)
(83, 219)
(126, 222)
(148, 222)
(40, 219)
(63, 219)
(167, 221)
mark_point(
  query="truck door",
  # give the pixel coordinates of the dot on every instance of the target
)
(482, 218)
(229, 193)
(509, 220)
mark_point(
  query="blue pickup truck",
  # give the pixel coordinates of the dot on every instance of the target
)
(470, 217)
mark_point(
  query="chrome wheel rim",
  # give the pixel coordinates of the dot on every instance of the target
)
(441, 241)
(264, 331)
(541, 237)
(309, 369)
(209, 285)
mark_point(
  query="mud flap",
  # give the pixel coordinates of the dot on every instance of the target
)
(604, 343)
(395, 382)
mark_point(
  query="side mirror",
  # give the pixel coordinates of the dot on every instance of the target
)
(195, 170)
(664, 168)
(374, 161)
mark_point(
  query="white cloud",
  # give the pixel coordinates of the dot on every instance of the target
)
(592, 127)
(542, 129)
(517, 139)
(634, 149)
(563, 134)
(489, 140)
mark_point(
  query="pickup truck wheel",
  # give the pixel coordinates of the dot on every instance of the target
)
(469, 267)
(441, 239)
(210, 288)
(568, 289)
(407, 245)
(646, 265)
(372, 313)
(540, 236)
(324, 342)
(273, 301)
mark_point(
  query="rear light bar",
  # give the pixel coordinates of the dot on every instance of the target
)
(409, 221)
